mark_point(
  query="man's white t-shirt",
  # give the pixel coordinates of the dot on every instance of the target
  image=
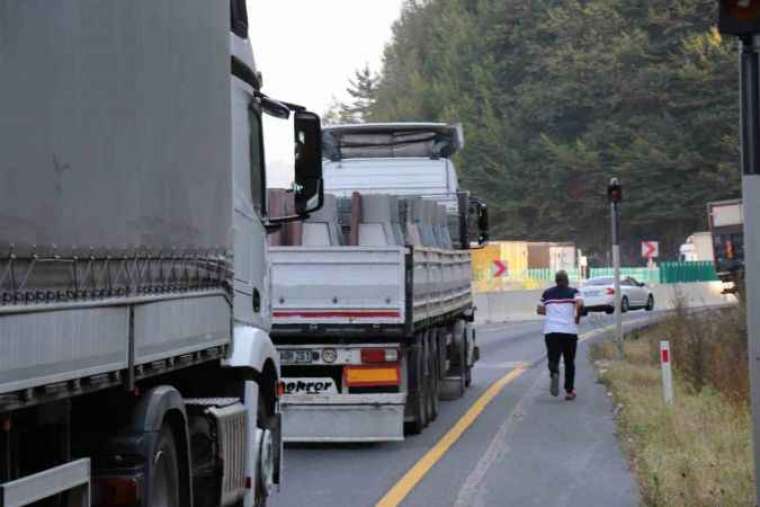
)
(559, 303)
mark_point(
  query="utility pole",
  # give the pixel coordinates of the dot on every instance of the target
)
(750, 90)
(615, 197)
(742, 18)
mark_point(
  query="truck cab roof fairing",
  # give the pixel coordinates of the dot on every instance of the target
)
(392, 140)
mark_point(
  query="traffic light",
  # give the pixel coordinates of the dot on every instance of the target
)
(615, 191)
(739, 17)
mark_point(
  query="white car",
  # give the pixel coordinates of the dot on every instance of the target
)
(599, 295)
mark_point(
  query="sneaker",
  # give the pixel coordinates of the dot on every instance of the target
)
(570, 396)
(554, 389)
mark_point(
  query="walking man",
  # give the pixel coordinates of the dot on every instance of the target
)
(562, 307)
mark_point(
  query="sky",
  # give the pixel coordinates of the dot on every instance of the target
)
(306, 51)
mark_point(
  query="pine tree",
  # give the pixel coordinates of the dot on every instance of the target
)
(557, 96)
(362, 89)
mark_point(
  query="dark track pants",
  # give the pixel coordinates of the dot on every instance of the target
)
(565, 345)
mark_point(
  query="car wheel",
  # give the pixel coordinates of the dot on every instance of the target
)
(624, 305)
(650, 303)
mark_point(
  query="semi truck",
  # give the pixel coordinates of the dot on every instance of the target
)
(726, 220)
(136, 367)
(372, 301)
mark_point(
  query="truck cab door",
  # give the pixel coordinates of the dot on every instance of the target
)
(249, 188)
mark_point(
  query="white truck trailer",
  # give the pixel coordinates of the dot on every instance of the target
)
(136, 367)
(372, 303)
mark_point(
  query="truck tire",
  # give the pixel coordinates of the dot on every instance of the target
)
(433, 371)
(468, 370)
(460, 350)
(164, 477)
(266, 426)
(417, 385)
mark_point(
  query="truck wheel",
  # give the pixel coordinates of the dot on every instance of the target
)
(417, 383)
(461, 359)
(433, 377)
(164, 476)
(468, 368)
(267, 448)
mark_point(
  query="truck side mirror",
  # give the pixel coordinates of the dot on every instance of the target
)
(308, 189)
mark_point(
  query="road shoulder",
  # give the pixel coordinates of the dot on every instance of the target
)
(554, 452)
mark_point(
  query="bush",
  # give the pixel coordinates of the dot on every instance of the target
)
(708, 348)
(698, 451)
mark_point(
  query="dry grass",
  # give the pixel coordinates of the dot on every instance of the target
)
(697, 452)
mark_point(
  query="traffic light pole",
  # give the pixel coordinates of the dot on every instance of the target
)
(615, 219)
(750, 114)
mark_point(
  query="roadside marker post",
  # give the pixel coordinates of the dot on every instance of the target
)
(667, 374)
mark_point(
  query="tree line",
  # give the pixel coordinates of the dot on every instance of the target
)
(558, 96)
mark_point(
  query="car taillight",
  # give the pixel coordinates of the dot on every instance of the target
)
(379, 355)
(610, 292)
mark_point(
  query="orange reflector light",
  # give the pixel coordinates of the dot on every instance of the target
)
(356, 376)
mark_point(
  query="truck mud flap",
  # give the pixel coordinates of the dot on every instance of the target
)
(343, 417)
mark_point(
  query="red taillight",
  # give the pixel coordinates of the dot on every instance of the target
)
(379, 355)
(373, 355)
(117, 492)
(610, 292)
(280, 389)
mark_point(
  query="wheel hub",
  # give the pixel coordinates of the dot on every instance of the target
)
(265, 465)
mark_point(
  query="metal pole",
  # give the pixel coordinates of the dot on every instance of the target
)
(615, 217)
(750, 91)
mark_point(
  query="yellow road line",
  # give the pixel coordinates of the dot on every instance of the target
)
(409, 481)
(413, 477)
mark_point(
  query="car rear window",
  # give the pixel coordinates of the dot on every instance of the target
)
(600, 281)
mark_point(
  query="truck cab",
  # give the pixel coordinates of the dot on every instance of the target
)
(135, 312)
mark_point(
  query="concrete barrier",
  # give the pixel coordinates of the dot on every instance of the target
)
(521, 305)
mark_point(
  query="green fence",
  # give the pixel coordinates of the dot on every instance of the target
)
(667, 272)
(547, 275)
(684, 272)
(645, 275)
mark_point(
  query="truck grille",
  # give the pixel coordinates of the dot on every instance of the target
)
(232, 435)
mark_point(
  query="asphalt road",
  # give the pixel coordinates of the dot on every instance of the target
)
(524, 448)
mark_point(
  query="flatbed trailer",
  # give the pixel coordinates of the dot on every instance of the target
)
(372, 305)
(336, 307)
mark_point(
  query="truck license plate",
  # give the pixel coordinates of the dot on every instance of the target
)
(296, 356)
(324, 385)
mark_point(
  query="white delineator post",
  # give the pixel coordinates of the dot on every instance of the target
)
(667, 374)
